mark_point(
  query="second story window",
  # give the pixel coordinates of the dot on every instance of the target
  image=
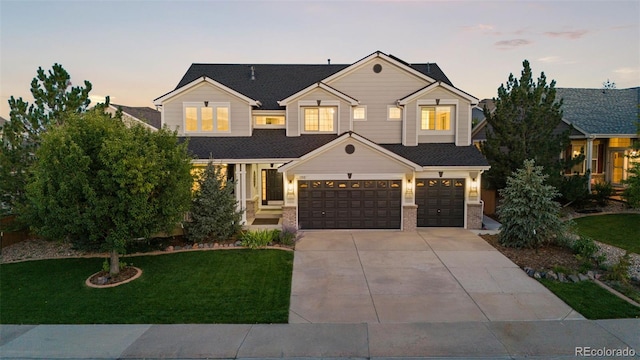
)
(360, 113)
(319, 119)
(436, 118)
(209, 117)
(394, 113)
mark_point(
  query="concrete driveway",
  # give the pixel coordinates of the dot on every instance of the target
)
(432, 275)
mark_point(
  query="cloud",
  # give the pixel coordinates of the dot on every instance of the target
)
(549, 59)
(479, 27)
(576, 34)
(511, 44)
(96, 99)
(625, 71)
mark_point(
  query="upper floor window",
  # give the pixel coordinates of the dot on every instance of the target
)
(270, 120)
(360, 113)
(320, 119)
(206, 117)
(394, 113)
(436, 118)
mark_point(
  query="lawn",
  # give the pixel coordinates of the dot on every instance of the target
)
(621, 230)
(592, 301)
(230, 286)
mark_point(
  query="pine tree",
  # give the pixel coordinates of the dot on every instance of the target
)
(54, 99)
(528, 214)
(522, 127)
(214, 211)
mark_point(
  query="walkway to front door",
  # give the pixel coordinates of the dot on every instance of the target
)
(433, 275)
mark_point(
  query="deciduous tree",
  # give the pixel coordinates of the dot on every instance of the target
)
(100, 184)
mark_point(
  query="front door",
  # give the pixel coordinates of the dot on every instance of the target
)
(617, 167)
(272, 188)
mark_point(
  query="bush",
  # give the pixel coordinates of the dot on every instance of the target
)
(620, 270)
(574, 189)
(528, 213)
(585, 247)
(259, 238)
(632, 192)
(214, 210)
(601, 192)
(289, 235)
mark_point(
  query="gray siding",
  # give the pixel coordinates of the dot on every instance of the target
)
(295, 119)
(377, 91)
(239, 112)
(363, 161)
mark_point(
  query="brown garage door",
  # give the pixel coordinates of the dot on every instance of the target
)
(440, 202)
(349, 204)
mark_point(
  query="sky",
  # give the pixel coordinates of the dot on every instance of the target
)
(136, 51)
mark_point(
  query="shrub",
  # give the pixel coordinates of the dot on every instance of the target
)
(632, 192)
(620, 270)
(574, 189)
(601, 192)
(259, 238)
(289, 235)
(528, 213)
(214, 210)
(585, 247)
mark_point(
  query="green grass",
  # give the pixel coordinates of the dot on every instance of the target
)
(621, 230)
(592, 301)
(231, 286)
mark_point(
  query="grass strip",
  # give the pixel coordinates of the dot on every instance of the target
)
(620, 230)
(592, 301)
(231, 286)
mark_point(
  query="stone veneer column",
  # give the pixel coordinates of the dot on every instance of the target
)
(410, 217)
(289, 216)
(474, 216)
(251, 209)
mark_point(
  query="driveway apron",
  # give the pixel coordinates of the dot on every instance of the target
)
(431, 275)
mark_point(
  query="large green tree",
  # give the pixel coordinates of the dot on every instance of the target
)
(99, 184)
(522, 127)
(54, 98)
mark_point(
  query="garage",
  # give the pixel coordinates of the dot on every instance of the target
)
(440, 202)
(349, 204)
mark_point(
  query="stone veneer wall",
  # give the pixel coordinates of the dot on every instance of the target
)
(289, 216)
(410, 217)
(474, 216)
(252, 209)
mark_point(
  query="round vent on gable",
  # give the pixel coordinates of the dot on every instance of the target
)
(377, 68)
(349, 149)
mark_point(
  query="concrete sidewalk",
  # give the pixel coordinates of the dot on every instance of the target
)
(495, 340)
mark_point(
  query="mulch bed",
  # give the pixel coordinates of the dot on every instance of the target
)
(124, 275)
(545, 257)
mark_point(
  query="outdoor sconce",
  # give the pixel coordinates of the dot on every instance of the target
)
(290, 194)
(206, 103)
(440, 173)
(474, 188)
(409, 190)
(349, 175)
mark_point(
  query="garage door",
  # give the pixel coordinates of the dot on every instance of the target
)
(440, 202)
(349, 204)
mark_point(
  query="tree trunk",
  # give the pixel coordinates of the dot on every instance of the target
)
(114, 264)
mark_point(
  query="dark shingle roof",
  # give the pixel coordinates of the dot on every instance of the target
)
(598, 111)
(2, 121)
(274, 82)
(264, 144)
(146, 114)
(439, 154)
(480, 131)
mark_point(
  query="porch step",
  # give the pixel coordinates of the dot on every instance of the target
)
(268, 214)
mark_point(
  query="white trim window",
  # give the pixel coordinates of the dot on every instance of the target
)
(360, 113)
(206, 117)
(270, 121)
(436, 118)
(319, 118)
(394, 113)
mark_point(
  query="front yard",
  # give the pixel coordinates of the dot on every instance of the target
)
(228, 286)
(620, 230)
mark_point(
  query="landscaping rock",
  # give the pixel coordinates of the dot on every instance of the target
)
(551, 275)
(537, 275)
(102, 280)
(561, 277)
(583, 277)
(574, 278)
(591, 274)
(176, 248)
(215, 245)
(195, 246)
(529, 271)
(238, 243)
(201, 246)
(169, 248)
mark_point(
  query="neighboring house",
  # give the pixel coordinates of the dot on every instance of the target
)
(379, 143)
(604, 127)
(140, 115)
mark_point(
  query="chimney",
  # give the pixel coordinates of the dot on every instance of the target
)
(253, 72)
(329, 61)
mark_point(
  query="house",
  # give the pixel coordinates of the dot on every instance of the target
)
(376, 144)
(146, 116)
(603, 129)
(3, 121)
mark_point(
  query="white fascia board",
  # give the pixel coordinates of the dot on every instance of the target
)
(322, 86)
(455, 168)
(200, 80)
(241, 161)
(407, 99)
(385, 57)
(609, 136)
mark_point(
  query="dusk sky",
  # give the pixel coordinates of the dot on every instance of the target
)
(137, 51)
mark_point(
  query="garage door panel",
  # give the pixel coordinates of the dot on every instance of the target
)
(440, 202)
(353, 204)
